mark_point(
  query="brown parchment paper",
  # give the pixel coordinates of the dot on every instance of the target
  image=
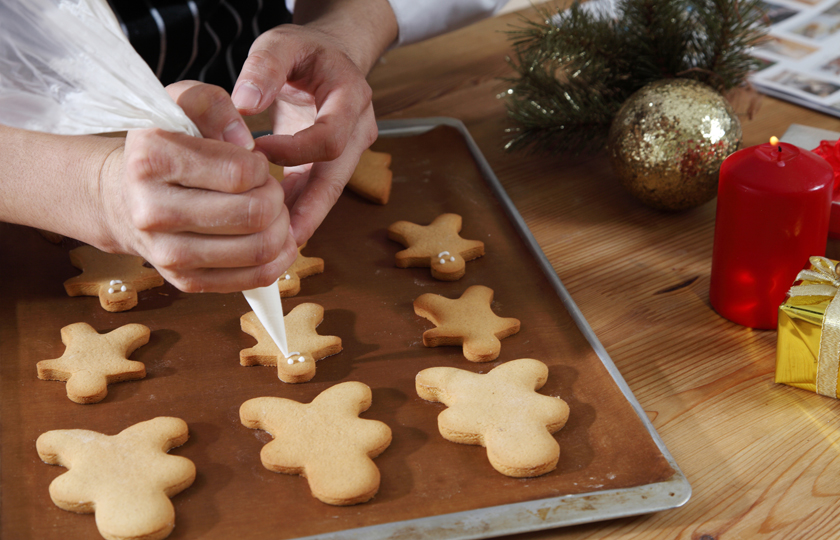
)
(192, 361)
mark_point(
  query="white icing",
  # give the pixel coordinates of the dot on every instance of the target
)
(111, 290)
(288, 276)
(123, 289)
(441, 255)
(291, 359)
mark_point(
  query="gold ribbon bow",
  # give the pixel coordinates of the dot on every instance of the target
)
(824, 281)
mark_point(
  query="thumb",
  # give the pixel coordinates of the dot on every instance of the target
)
(263, 75)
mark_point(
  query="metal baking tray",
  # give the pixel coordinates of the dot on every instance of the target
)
(613, 464)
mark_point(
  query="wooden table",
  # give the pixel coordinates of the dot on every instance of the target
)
(762, 458)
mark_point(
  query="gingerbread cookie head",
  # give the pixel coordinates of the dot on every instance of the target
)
(500, 410)
(289, 282)
(372, 177)
(324, 441)
(115, 279)
(125, 479)
(306, 346)
(468, 321)
(437, 245)
(92, 361)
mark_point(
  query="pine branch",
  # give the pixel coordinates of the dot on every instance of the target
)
(575, 70)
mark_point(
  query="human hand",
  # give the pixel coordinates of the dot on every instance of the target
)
(205, 212)
(322, 114)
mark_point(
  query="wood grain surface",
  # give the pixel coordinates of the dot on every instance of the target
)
(762, 458)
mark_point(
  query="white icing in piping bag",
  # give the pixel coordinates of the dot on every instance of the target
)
(265, 301)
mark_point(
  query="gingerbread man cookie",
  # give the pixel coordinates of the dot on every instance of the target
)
(125, 479)
(324, 441)
(306, 346)
(500, 410)
(372, 177)
(437, 245)
(468, 321)
(289, 283)
(115, 279)
(92, 361)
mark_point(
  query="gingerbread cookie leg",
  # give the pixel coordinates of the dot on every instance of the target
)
(500, 410)
(125, 479)
(324, 441)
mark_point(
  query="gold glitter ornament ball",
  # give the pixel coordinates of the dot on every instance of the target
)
(668, 140)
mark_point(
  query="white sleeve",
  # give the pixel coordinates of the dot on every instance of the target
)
(422, 19)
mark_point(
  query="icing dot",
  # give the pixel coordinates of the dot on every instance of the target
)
(452, 259)
(290, 361)
(123, 289)
(111, 290)
(288, 277)
(301, 359)
(443, 261)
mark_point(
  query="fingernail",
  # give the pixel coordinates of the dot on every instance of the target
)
(237, 133)
(247, 96)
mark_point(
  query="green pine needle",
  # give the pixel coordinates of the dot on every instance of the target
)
(575, 70)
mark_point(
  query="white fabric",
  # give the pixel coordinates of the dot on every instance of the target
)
(66, 67)
(423, 19)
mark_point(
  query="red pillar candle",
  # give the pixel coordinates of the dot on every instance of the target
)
(773, 208)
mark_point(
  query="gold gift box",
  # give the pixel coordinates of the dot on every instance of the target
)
(798, 342)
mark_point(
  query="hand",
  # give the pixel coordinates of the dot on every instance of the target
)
(205, 212)
(320, 105)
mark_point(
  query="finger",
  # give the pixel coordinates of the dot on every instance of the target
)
(340, 117)
(226, 280)
(155, 155)
(189, 251)
(209, 212)
(294, 183)
(324, 185)
(212, 110)
(263, 73)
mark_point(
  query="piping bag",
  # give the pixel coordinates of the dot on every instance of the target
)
(265, 301)
(66, 67)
